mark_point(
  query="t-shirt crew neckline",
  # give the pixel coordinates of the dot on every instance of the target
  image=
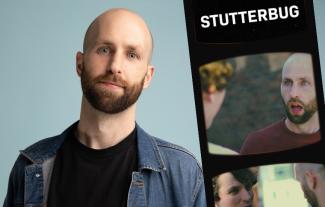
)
(103, 153)
(296, 134)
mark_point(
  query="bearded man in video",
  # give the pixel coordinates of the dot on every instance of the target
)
(300, 127)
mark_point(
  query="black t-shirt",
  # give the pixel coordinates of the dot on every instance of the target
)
(87, 177)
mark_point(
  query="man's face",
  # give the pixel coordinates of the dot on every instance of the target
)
(114, 68)
(232, 193)
(310, 196)
(211, 104)
(298, 89)
(109, 93)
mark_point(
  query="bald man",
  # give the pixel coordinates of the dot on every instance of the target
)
(312, 180)
(105, 158)
(301, 125)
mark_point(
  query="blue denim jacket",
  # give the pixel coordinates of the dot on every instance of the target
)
(168, 175)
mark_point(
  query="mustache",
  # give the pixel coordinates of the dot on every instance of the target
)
(296, 100)
(111, 78)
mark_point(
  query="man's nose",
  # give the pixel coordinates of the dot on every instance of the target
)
(246, 195)
(294, 91)
(115, 65)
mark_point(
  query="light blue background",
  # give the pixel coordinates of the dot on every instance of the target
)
(40, 91)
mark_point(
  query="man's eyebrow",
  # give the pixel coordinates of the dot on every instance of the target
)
(105, 42)
(233, 187)
(287, 79)
(132, 47)
(304, 78)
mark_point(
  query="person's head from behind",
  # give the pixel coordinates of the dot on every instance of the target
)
(298, 88)
(214, 79)
(234, 189)
(311, 177)
(115, 64)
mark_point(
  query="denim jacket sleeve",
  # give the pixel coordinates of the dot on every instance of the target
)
(200, 199)
(15, 191)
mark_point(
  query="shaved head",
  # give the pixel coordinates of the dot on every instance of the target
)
(298, 62)
(111, 16)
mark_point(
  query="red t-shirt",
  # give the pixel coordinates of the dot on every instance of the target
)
(276, 137)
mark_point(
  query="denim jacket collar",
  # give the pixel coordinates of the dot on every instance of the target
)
(149, 155)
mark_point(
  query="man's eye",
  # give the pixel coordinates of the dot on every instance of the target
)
(103, 50)
(133, 55)
(234, 190)
(287, 83)
(304, 83)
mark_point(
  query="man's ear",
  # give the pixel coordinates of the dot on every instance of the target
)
(79, 63)
(148, 76)
(311, 179)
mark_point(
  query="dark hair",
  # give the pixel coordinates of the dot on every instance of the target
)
(244, 176)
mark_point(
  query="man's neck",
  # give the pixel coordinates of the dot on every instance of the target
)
(99, 130)
(310, 127)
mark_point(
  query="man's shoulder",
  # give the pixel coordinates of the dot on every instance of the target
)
(267, 131)
(33, 154)
(42, 143)
(160, 154)
(175, 153)
(45, 148)
(260, 140)
(42, 149)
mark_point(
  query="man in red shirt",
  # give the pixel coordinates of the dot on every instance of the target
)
(301, 126)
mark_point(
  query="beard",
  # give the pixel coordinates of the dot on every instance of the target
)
(310, 196)
(309, 111)
(106, 100)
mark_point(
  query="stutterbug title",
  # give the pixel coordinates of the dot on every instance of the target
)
(250, 16)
